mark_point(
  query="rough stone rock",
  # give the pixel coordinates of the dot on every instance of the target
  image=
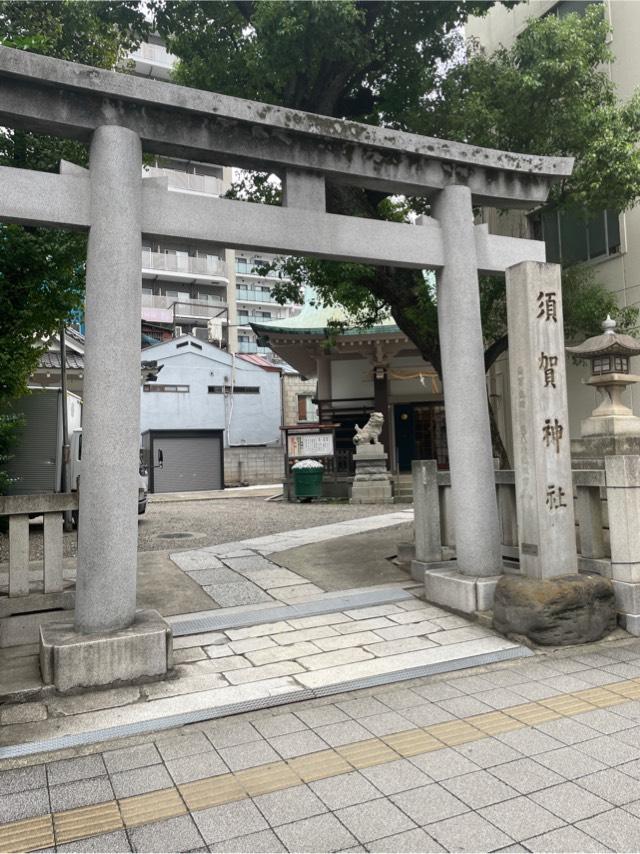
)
(555, 611)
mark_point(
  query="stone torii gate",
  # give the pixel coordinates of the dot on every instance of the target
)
(119, 116)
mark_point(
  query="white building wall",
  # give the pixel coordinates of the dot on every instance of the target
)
(247, 419)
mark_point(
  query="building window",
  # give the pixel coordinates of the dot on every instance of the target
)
(236, 389)
(568, 7)
(570, 239)
(179, 389)
(307, 410)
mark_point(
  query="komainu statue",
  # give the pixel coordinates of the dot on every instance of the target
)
(370, 433)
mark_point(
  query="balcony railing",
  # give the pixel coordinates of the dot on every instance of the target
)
(208, 184)
(202, 307)
(206, 309)
(254, 296)
(249, 270)
(156, 53)
(254, 317)
(251, 347)
(172, 263)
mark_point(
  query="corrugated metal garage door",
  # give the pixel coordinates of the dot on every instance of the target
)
(190, 463)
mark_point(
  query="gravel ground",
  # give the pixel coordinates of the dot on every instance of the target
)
(217, 521)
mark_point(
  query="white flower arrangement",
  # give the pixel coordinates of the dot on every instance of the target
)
(307, 464)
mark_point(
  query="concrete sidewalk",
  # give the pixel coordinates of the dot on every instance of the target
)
(265, 490)
(537, 755)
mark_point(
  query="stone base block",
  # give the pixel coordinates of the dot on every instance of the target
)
(631, 623)
(371, 492)
(71, 661)
(452, 589)
(555, 611)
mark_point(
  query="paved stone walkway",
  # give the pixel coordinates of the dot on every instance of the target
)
(537, 755)
(238, 573)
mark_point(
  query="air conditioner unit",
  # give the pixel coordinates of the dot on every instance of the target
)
(177, 331)
(214, 330)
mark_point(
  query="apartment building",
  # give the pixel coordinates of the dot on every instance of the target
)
(610, 242)
(213, 293)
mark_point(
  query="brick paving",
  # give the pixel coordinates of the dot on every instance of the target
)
(458, 762)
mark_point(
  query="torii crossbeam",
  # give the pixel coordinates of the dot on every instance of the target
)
(120, 116)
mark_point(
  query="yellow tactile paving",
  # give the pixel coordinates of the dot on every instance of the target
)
(36, 833)
(567, 705)
(267, 778)
(364, 754)
(27, 835)
(86, 821)
(532, 713)
(454, 732)
(629, 689)
(211, 792)
(143, 809)
(318, 766)
(493, 723)
(600, 697)
(412, 742)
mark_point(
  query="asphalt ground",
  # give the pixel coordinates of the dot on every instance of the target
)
(214, 521)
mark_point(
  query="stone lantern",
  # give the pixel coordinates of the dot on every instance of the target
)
(612, 428)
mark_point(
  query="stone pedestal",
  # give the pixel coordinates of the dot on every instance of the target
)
(445, 585)
(72, 661)
(372, 482)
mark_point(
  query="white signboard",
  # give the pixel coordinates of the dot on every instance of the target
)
(310, 445)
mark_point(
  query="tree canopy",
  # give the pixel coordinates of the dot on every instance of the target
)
(41, 270)
(405, 65)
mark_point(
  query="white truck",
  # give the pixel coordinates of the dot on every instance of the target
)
(37, 462)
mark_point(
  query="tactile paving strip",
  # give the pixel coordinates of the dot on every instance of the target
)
(84, 822)
(258, 616)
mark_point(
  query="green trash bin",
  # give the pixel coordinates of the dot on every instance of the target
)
(307, 479)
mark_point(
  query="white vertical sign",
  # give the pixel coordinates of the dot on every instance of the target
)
(541, 441)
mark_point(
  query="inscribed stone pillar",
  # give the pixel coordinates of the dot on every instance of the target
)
(475, 508)
(108, 523)
(542, 455)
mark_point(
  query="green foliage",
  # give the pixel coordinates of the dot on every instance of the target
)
(10, 427)
(586, 304)
(42, 271)
(361, 59)
(548, 94)
(399, 64)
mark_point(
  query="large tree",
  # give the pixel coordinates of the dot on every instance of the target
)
(42, 271)
(405, 65)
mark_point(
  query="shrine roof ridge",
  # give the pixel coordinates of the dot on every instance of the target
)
(279, 125)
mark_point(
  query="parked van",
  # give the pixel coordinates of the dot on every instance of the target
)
(36, 465)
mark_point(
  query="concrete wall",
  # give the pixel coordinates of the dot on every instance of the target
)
(351, 378)
(252, 419)
(292, 386)
(251, 465)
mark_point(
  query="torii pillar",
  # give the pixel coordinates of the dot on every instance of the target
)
(470, 586)
(110, 642)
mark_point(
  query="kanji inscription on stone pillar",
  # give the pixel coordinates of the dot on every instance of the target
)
(541, 445)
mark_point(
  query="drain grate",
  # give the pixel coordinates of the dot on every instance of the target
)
(296, 695)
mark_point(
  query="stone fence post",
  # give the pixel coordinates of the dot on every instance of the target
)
(426, 504)
(623, 497)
